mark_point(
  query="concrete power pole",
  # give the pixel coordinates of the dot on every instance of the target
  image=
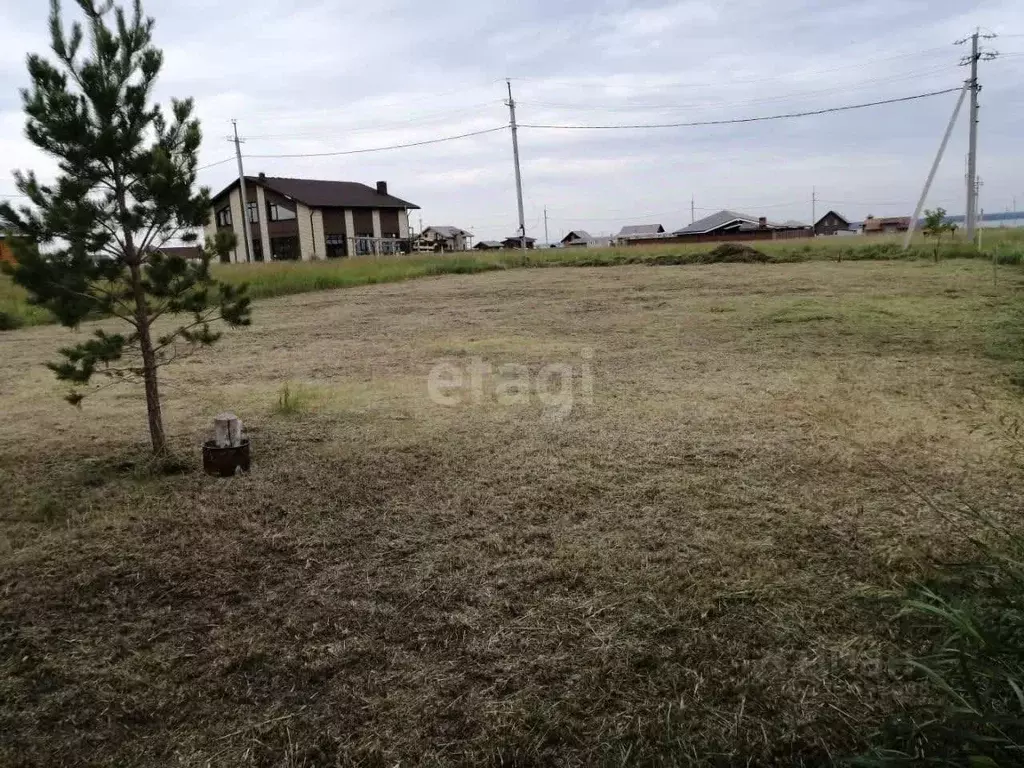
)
(515, 157)
(935, 166)
(976, 55)
(546, 241)
(693, 210)
(814, 208)
(246, 233)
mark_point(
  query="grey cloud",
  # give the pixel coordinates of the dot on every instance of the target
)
(320, 76)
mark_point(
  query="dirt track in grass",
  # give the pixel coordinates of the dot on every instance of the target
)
(682, 569)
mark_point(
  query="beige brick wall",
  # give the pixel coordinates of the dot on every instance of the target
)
(319, 240)
(261, 207)
(237, 219)
(210, 228)
(350, 230)
(403, 223)
(305, 232)
(376, 223)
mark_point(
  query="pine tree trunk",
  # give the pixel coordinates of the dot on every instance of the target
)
(156, 420)
(149, 366)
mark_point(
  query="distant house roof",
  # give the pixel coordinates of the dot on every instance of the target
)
(832, 213)
(716, 221)
(577, 234)
(517, 238)
(446, 231)
(634, 230)
(872, 224)
(323, 193)
(727, 220)
(485, 245)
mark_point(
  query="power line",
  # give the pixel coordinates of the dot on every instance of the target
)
(869, 83)
(361, 126)
(219, 162)
(746, 119)
(384, 149)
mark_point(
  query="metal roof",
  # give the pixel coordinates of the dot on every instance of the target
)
(641, 229)
(716, 221)
(323, 193)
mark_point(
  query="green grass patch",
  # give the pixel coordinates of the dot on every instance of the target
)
(15, 311)
(285, 278)
(270, 279)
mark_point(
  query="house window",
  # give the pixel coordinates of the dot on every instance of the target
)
(284, 248)
(257, 249)
(254, 217)
(337, 246)
(278, 212)
(224, 217)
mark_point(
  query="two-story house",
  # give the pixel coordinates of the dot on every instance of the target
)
(444, 238)
(304, 219)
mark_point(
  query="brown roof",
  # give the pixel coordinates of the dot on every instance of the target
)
(323, 193)
(873, 224)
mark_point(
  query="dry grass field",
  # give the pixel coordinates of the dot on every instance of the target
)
(684, 568)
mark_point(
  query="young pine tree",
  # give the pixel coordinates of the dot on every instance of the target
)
(89, 244)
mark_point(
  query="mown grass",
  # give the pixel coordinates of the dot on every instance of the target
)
(682, 571)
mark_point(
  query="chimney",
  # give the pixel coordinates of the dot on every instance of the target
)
(762, 222)
(263, 176)
(382, 187)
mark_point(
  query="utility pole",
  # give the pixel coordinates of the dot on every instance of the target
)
(546, 241)
(935, 166)
(246, 233)
(515, 156)
(814, 208)
(693, 210)
(972, 153)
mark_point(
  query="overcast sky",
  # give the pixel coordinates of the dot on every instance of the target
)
(307, 77)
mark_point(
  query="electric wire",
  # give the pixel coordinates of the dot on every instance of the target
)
(735, 121)
(385, 149)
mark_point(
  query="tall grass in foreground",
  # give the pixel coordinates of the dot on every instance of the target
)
(971, 625)
(284, 278)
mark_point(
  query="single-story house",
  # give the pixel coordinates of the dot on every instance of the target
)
(830, 224)
(488, 245)
(728, 226)
(578, 238)
(517, 242)
(443, 238)
(636, 231)
(891, 224)
(293, 219)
